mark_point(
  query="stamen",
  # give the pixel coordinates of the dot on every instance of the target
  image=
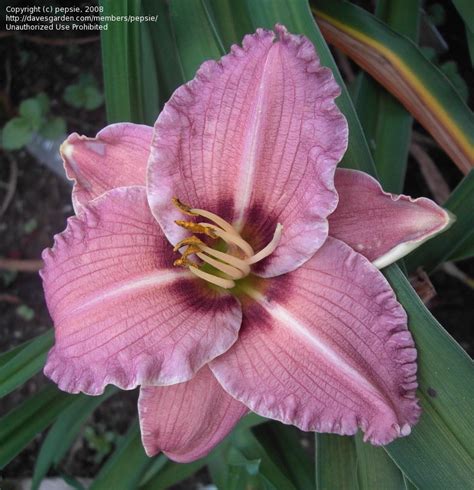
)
(192, 240)
(184, 208)
(184, 262)
(205, 214)
(218, 281)
(266, 251)
(216, 219)
(197, 228)
(229, 259)
(232, 238)
(231, 271)
(228, 268)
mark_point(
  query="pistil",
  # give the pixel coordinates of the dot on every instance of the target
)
(227, 268)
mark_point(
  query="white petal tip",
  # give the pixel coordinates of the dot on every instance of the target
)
(405, 430)
(67, 149)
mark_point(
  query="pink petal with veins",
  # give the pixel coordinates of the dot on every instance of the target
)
(187, 420)
(122, 313)
(116, 157)
(381, 226)
(254, 138)
(326, 348)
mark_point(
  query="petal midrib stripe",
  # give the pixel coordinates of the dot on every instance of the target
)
(249, 157)
(289, 321)
(153, 279)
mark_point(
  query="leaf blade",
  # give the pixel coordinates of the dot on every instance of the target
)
(403, 69)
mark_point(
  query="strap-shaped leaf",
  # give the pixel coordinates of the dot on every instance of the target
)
(169, 66)
(465, 9)
(20, 426)
(126, 466)
(23, 362)
(336, 462)
(64, 432)
(120, 46)
(439, 453)
(247, 452)
(375, 469)
(206, 43)
(402, 69)
(283, 444)
(386, 122)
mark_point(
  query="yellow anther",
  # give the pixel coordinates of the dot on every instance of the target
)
(192, 240)
(184, 262)
(191, 250)
(184, 208)
(196, 228)
(225, 267)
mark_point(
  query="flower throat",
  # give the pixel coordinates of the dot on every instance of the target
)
(226, 267)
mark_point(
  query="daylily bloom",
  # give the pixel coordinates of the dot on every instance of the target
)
(220, 261)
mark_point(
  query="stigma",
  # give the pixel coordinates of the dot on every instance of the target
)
(219, 267)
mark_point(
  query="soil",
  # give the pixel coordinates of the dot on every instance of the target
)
(41, 204)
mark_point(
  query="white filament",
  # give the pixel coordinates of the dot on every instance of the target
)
(266, 251)
(231, 271)
(218, 281)
(232, 268)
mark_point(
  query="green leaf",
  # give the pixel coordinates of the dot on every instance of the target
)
(169, 68)
(30, 226)
(336, 463)
(163, 473)
(401, 67)
(64, 432)
(439, 452)
(386, 122)
(149, 75)
(195, 33)
(53, 128)
(24, 362)
(126, 466)
(466, 11)
(232, 19)
(10, 354)
(44, 103)
(73, 96)
(19, 427)
(450, 69)
(437, 14)
(25, 312)
(246, 451)
(32, 111)
(375, 469)
(171, 473)
(121, 64)
(93, 98)
(283, 444)
(16, 133)
(457, 242)
(83, 95)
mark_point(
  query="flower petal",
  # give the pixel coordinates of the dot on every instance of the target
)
(381, 226)
(123, 314)
(187, 420)
(254, 138)
(116, 157)
(326, 348)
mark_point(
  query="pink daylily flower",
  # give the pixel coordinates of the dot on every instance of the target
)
(278, 307)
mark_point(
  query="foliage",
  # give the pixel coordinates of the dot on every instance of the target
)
(34, 116)
(84, 94)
